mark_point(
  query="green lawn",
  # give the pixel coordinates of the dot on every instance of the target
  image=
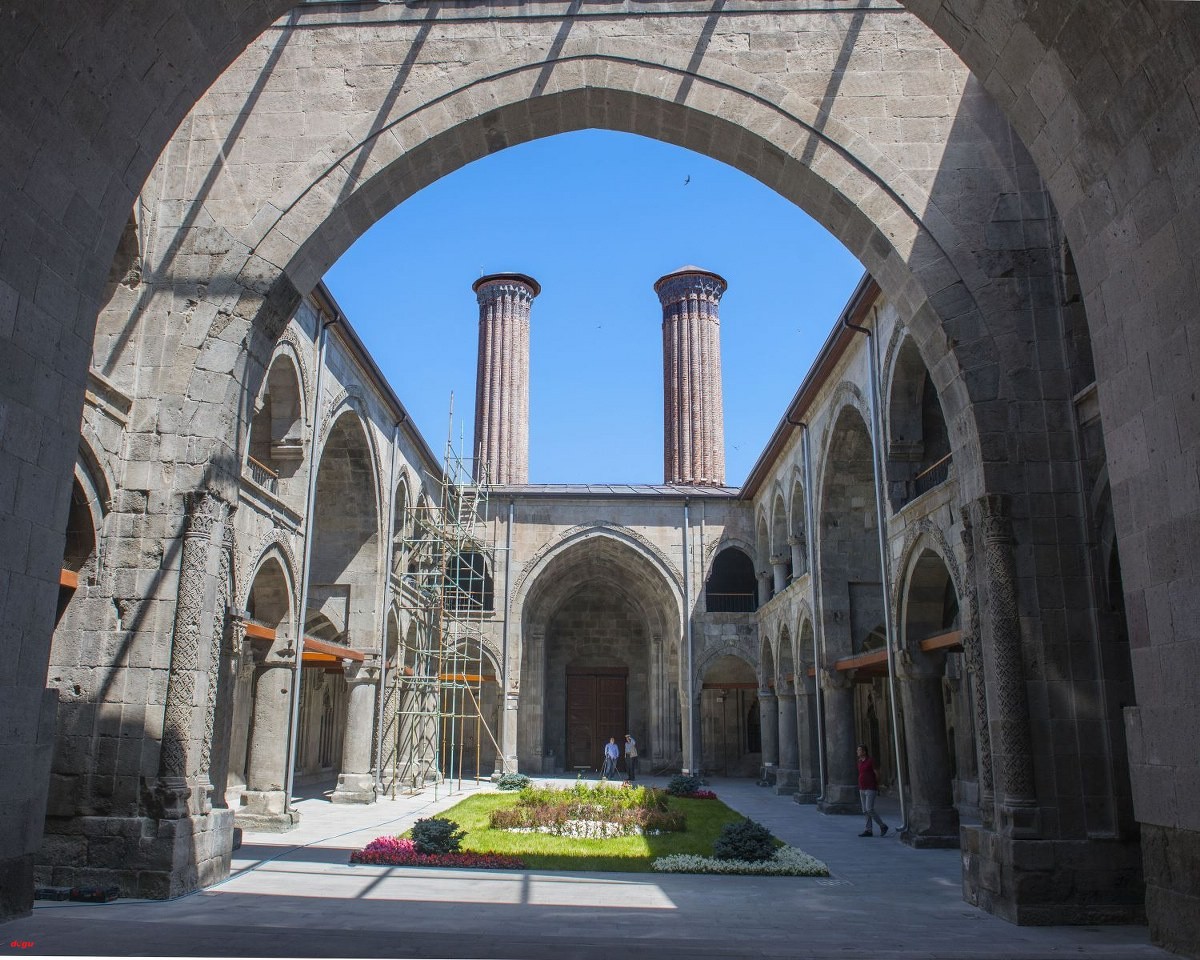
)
(541, 851)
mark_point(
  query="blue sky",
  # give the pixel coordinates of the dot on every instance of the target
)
(596, 217)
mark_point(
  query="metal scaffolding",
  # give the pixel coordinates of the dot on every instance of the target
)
(442, 690)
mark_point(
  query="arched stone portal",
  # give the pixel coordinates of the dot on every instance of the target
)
(600, 628)
(1093, 90)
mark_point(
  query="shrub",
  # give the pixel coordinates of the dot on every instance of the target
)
(744, 840)
(512, 781)
(434, 835)
(682, 785)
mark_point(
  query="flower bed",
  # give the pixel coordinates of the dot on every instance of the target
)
(787, 862)
(401, 852)
(592, 812)
(699, 795)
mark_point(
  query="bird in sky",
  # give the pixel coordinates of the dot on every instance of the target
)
(687, 179)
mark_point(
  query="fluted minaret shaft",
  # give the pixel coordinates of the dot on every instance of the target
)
(693, 418)
(502, 377)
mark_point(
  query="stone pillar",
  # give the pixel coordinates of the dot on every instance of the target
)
(973, 655)
(1013, 744)
(787, 777)
(779, 572)
(841, 792)
(932, 818)
(356, 783)
(264, 799)
(508, 724)
(808, 783)
(768, 712)
(502, 377)
(799, 548)
(693, 420)
(764, 586)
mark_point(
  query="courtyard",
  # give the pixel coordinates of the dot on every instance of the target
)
(295, 895)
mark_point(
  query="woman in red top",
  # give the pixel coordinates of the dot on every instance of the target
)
(868, 787)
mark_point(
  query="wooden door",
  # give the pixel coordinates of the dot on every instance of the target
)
(595, 712)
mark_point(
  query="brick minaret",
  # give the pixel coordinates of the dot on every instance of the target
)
(694, 427)
(502, 376)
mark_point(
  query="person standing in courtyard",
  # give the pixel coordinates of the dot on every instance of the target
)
(611, 753)
(868, 788)
(631, 758)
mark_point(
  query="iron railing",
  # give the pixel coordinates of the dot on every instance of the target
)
(730, 602)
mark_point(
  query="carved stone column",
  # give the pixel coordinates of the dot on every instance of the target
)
(764, 586)
(768, 712)
(799, 548)
(932, 817)
(356, 783)
(200, 609)
(973, 655)
(1013, 745)
(841, 792)
(779, 572)
(789, 752)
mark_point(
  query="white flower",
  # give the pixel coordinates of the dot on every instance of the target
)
(787, 862)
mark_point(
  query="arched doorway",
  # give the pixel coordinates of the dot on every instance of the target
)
(600, 651)
(852, 608)
(936, 704)
(337, 702)
(730, 744)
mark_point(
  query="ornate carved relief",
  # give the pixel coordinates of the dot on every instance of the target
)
(196, 637)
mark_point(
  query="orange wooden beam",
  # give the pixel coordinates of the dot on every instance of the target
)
(467, 678)
(943, 641)
(68, 578)
(872, 658)
(332, 649)
(257, 631)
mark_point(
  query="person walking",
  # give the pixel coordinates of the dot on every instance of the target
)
(868, 787)
(631, 758)
(611, 753)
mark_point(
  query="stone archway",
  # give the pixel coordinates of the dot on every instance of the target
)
(1091, 91)
(730, 743)
(599, 623)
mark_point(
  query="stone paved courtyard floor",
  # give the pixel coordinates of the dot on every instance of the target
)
(294, 895)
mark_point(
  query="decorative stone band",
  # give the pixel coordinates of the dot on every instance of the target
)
(705, 288)
(515, 285)
(1016, 743)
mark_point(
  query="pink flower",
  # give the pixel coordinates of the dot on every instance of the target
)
(399, 852)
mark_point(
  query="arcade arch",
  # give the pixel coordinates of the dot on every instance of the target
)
(600, 633)
(729, 718)
(1007, 44)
